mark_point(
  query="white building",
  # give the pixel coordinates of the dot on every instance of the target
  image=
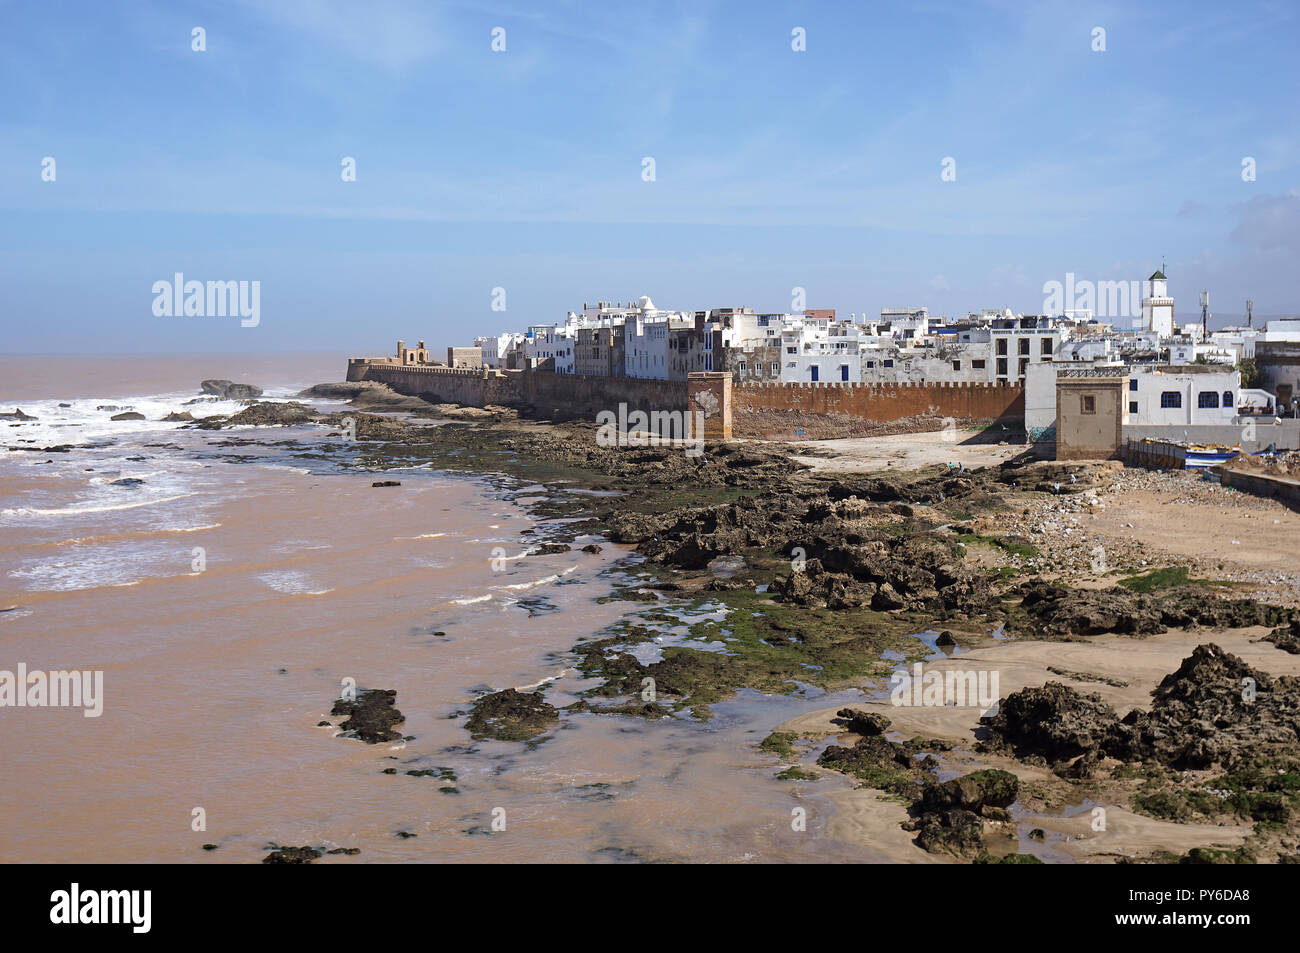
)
(1181, 396)
(497, 347)
(1157, 306)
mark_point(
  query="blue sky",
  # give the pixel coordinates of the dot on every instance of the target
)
(523, 169)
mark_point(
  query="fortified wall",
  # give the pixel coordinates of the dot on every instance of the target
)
(568, 396)
(964, 402)
(551, 395)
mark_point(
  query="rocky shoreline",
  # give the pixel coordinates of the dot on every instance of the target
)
(823, 581)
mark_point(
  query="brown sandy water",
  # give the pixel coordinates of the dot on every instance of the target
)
(214, 681)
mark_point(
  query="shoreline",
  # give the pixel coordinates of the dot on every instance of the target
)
(771, 575)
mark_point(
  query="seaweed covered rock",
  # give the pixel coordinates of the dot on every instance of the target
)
(816, 588)
(371, 716)
(990, 788)
(511, 715)
(264, 414)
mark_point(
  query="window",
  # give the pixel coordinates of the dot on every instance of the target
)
(1002, 345)
(814, 370)
(1045, 346)
(1089, 403)
(844, 372)
(1002, 367)
(1132, 406)
(1132, 383)
(956, 365)
(1024, 345)
(871, 363)
(741, 366)
(792, 350)
(1171, 399)
(888, 363)
(1207, 399)
(977, 365)
(1227, 399)
(1024, 362)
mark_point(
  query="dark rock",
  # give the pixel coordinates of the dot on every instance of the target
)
(127, 481)
(371, 716)
(992, 788)
(127, 415)
(550, 549)
(178, 416)
(264, 414)
(16, 415)
(591, 548)
(228, 390)
(387, 483)
(861, 722)
(1055, 722)
(945, 638)
(291, 855)
(511, 715)
(957, 832)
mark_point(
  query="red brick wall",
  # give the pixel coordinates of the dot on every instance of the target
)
(886, 401)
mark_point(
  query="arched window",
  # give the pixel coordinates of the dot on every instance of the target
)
(1227, 399)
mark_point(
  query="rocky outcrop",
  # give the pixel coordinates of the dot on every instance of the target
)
(865, 723)
(291, 855)
(1053, 610)
(127, 415)
(264, 414)
(371, 716)
(511, 715)
(16, 415)
(1214, 711)
(229, 390)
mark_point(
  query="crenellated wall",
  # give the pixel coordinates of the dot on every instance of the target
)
(561, 396)
(551, 395)
(884, 402)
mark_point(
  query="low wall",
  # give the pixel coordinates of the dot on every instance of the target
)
(882, 402)
(453, 385)
(1285, 434)
(1283, 489)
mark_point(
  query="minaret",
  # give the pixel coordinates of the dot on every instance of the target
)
(1157, 306)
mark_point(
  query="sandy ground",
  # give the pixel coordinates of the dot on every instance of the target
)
(863, 816)
(906, 451)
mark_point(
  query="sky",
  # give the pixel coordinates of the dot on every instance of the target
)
(517, 177)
